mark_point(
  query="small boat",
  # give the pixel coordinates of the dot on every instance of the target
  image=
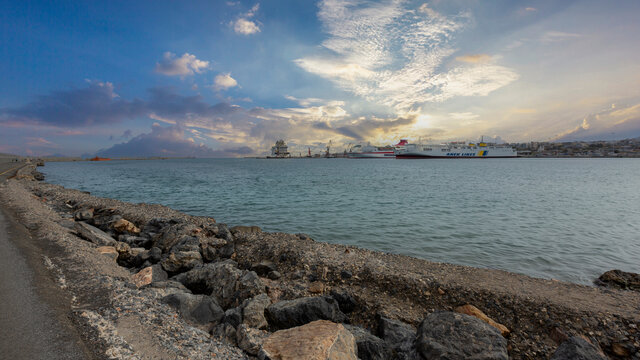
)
(99, 159)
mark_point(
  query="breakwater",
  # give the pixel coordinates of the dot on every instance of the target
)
(255, 284)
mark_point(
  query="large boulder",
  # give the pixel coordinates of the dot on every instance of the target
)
(253, 311)
(577, 348)
(400, 336)
(370, 347)
(93, 234)
(289, 313)
(450, 335)
(620, 280)
(200, 309)
(224, 281)
(318, 340)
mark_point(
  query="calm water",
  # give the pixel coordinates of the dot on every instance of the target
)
(567, 219)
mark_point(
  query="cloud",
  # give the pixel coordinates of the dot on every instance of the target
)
(474, 59)
(224, 82)
(184, 65)
(39, 142)
(244, 25)
(616, 122)
(463, 116)
(171, 142)
(393, 55)
(231, 127)
(557, 36)
(96, 104)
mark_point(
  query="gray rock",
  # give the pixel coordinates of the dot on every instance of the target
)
(200, 309)
(250, 340)
(346, 302)
(227, 250)
(577, 348)
(224, 281)
(264, 267)
(103, 217)
(370, 347)
(289, 313)
(449, 335)
(620, 280)
(253, 311)
(346, 274)
(152, 256)
(401, 337)
(210, 248)
(225, 233)
(94, 234)
(274, 275)
(135, 241)
(155, 255)
(186, 243)
(233, 317)
(83, 214)
(181, 261)
(172, 234)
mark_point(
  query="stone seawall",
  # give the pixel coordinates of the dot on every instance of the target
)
(259, 292)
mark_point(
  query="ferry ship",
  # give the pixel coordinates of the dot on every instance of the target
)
(455, 150)
(371, 152)
(375, 152)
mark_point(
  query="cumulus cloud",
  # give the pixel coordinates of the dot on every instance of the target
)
(184, 65)
(224, 82)
(616, 122)
(168, 141)
(393, 55)
(244, 25)
(96, 104)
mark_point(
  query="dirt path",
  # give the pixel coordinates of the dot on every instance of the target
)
(33, 312)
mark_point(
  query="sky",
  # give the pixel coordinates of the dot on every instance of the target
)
(229, 78)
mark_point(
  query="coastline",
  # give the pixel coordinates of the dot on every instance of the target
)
(381, 285)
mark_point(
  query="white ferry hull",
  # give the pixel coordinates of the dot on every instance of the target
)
(460, 152)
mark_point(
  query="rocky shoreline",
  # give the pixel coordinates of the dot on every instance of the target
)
(150, 282)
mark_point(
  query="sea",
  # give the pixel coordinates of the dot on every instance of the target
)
(568, 219)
